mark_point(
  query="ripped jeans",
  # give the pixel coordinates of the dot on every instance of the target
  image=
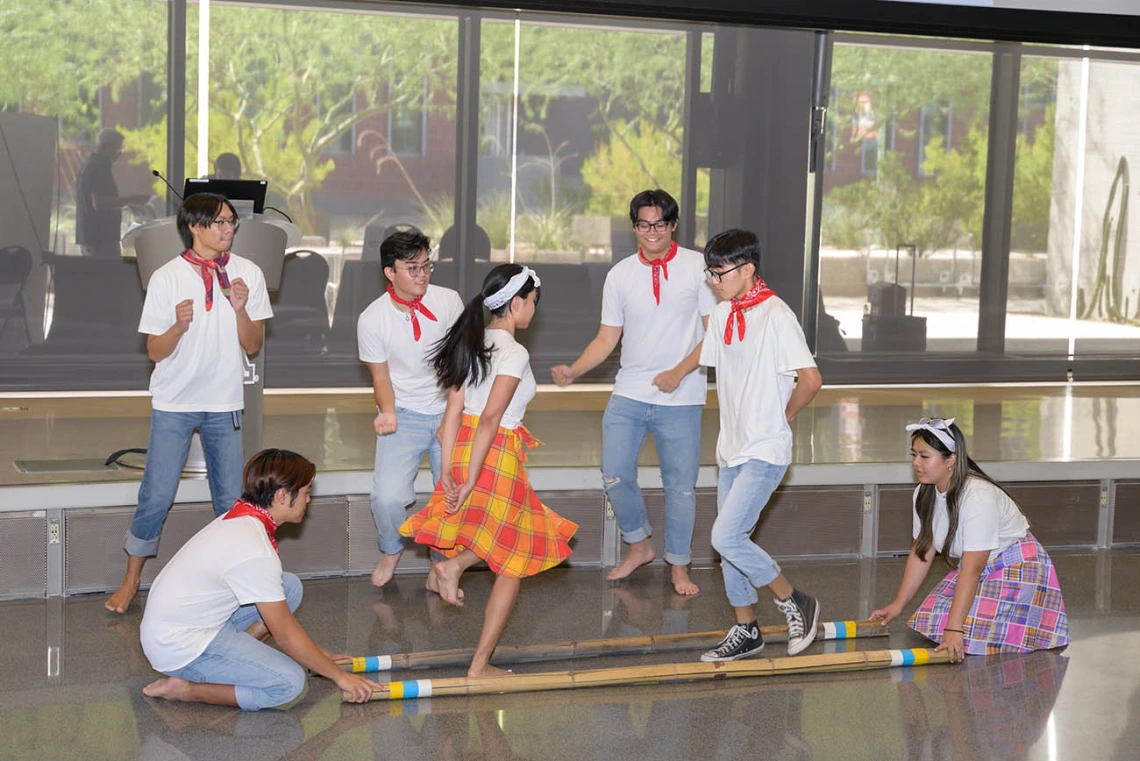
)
(676, 432)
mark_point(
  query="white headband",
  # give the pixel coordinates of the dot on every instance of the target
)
(939, 427)
(513, 286)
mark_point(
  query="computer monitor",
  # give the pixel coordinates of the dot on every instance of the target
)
(235, 190)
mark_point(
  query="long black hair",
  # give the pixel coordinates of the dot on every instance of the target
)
(461, 354)
(964, 468)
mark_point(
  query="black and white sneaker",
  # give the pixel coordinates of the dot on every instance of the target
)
(802, 612)
(741, 641)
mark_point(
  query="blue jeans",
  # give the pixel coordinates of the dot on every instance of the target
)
(170, 434)
(677, 434)
(741, 493)
(262, 676)
(398, 457)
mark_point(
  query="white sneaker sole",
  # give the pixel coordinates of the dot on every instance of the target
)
(712, 658)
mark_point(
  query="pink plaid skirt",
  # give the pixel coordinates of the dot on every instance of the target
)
(1018, 606)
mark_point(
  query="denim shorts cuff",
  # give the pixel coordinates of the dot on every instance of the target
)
(140, 548)
(247, 698)
(765, 582)
(637, 535)
(673, 559)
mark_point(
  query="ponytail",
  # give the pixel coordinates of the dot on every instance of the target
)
(462, 355)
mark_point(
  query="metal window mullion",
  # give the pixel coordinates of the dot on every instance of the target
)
(993, 289)
(175, 99)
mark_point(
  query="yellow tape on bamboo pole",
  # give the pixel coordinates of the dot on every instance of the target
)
(660, 673)
(665, 643)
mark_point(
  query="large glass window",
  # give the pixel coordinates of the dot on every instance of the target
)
(82, 125)
(903, 204)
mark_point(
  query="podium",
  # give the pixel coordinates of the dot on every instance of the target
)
(263, 241)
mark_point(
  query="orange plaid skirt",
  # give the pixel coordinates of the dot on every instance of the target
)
(503, 521)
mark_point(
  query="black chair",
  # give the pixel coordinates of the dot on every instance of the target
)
(15, 267)
(300, 312)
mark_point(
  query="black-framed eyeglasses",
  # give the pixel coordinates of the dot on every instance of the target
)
(232, 223)
(644, 225)
(715, 276)
(415, 270)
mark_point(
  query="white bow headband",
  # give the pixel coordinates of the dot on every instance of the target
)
(939, 427)
(513, 286)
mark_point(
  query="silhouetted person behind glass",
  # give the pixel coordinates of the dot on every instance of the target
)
(227, 166)
(98, 205)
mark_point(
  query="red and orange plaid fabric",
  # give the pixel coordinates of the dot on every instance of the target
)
(503, 521)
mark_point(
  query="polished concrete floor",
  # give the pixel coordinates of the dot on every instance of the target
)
(1011, 423)
(71, 677)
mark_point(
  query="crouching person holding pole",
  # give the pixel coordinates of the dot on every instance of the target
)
(224, 592)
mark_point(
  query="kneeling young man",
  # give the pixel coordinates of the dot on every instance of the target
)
(765, 375)
(224, 592)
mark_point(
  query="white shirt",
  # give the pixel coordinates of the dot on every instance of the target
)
(227, 564)
(384, 334)
(205, 371)
(656, 337)
(508, 357)
(987, 519)
(755, 377)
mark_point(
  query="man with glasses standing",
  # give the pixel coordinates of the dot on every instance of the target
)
(657, 304)
(203, 309)
(396, 335)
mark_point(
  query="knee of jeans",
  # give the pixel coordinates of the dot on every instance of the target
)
(724, 538)
(287, 687)
(294, 590)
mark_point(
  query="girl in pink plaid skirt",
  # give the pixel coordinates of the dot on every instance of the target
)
(1002, 594)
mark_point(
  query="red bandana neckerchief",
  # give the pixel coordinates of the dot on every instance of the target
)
(660, 267)
(758, 294)
(241, 508)
(413, 306)
(208, 267)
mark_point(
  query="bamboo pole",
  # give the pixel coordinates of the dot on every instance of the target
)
(662, 643)
(658, 673)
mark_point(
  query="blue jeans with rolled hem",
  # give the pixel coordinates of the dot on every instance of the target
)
(170, 434)
(677, 434)
(741, 494)
(398, 457)
(262, 676)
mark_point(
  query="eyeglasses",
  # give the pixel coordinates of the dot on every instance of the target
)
(644, 226)
(231, 223)
(715, 276)
(415, 270)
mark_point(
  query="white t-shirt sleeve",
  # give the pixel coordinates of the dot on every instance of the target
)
(792, 349)
(612, 312)
(706, 297)
(916, 524)
(258, 306)
(513, 360)
(709, 347)
(370, 338)
(158, 308)
(256, 580)
(979, 519)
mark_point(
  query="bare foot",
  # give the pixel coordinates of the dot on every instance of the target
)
(432, 584)
(447, 582)
(488, 670)
(682, 584)
(640, 553)
(385, 568)
(170, 688)
(123, 596)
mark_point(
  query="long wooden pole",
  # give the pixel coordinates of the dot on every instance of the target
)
(662, 643)
(659, 673)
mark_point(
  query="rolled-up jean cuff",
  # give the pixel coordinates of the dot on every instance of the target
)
(672, 559)
(639, 535)
(395, 546)
(140, 548)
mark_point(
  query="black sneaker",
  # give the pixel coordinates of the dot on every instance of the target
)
(802, 612)
(741, 641)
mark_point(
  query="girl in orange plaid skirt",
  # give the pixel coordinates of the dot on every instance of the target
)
(483, 507)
